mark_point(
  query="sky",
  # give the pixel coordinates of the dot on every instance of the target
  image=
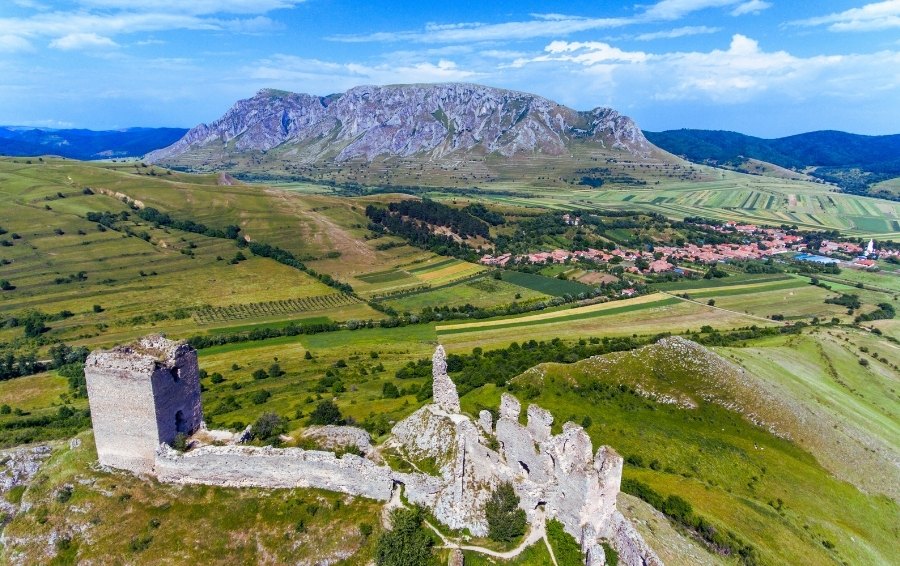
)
(762, 67)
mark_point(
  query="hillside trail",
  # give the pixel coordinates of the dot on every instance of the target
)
(354, 251)
(538, 532)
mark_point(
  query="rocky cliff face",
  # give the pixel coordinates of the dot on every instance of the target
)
(435, 122)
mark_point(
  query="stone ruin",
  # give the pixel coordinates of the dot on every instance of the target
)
(136, 393)
(142, 395)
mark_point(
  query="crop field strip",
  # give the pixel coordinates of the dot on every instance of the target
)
(273, 308)
(746, 289)
(566, 315)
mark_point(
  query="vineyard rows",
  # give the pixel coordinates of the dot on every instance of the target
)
(273, 308)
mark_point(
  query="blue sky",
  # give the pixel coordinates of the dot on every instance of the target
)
(763, 67)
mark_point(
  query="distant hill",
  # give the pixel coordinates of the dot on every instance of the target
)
(444, 134)
(85, 144)
(853, 162)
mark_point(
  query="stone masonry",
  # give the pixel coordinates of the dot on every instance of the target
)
(136, 392)
(142, 395)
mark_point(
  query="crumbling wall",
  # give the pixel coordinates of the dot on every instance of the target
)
(122, 410)
(251, 466)
(139, 395)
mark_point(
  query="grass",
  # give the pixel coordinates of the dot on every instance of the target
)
(728, 468)
(483, 292)
(569, 315)
(113, 517)
(546, 285)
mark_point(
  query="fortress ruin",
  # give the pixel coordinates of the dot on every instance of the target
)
(142, 395)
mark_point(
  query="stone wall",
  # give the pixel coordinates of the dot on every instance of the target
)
(251, 466)
(135, 393)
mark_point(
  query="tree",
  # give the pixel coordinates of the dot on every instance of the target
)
(506, 521)
(5, 285)
(326, 413)
(275, 370)
(407, 543)
(390, 391)
(268, 426)
(34, 324)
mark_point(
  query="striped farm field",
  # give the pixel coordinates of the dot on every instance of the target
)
(445, 272)
(590, 311)
(746, 289)
(622, 318)
(731, 281)
(273, 308)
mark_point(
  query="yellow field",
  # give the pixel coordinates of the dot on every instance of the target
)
(544, 316)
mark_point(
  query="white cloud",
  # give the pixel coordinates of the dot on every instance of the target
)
(193, 7)
(58, 24)
(74, 41)
(677, 9)
(751, 7)
(741, 73)
(677, 32)
(871, 17)
(314, 75)
(544, 25)
(10, 43)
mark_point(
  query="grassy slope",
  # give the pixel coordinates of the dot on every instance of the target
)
(726, 467)
(116, 518)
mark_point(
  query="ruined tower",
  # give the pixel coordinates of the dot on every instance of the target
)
(142, 395)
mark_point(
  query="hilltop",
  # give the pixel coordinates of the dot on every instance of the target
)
(466, 132)
(851, 161)
(84, 144)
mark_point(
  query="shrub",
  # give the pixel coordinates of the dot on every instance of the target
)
(407, 543)
(275, 370)
(506, 521)
(268, 426)
(5, 285)
(308, 355)
(217, 378)
(390, 391)
(260, 374)
(180, 442)
(326, 413)
(98, 308)
(365, 529)
(260, 397)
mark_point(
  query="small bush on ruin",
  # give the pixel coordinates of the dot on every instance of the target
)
(180, 443)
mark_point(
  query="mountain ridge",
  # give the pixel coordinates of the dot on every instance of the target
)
(434, 122)
(84, 144)
(830, 154)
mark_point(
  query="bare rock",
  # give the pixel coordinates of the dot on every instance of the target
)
(445, 395)
(332, 437)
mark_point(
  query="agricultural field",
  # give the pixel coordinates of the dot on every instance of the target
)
(483, 292)
(425, 273)
(807, 492)
(121, 282)
(647, 315)
(726, 196)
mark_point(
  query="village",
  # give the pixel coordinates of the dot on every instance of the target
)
(762, 243)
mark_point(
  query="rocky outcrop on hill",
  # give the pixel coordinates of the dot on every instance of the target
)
(435, 121)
